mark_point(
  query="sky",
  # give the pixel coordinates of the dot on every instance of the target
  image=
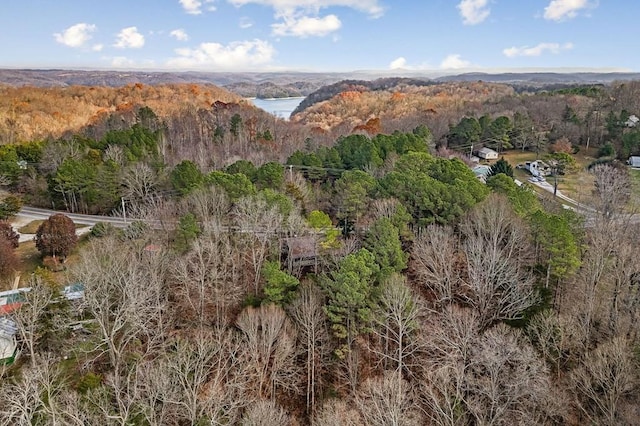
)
(321, 35)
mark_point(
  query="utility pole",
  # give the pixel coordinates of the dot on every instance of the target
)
(124, 213)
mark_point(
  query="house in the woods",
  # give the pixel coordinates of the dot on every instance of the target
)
(487, 154)
(12, 299)
(300, 252)
(481, 172)
(634, 161)
(8, 344)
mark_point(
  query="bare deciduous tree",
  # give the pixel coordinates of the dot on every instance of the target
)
(139, 181)
(210, 205)
(557, 337)
(612, 189)
(624, 289)
(506, 382)
(195, 381)
(396, 322)
(592, 282)
(452, 336)
(310, 319)
(338, 412)
(114, 153)
(388, 401)
(208, 275)
(28, 317)
(443, 394)
(125, 295)
(497, 250)
(433, 258)
(265, 413)
(34, 395)
(607, 374)
(268, 343)
(117, 400)
(258, 225)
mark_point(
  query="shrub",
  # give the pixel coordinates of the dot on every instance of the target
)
(135, 230)
(101, 229)
(607, 150)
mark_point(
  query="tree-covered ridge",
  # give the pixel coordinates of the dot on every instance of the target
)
(403, 100)
(329, 91)
(28, 113)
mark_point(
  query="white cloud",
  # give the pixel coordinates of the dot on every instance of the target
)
(289, 7)
(307, 26)
(129, 38)
(537, 50)
(473, 11)
(179, 34)
(300, 18)
(76, 35)
(237, 55)
(454, 61)
(560, 10)
(122, 62)
(194, 7)
(398, 63)
(97, 47)
(246, 22)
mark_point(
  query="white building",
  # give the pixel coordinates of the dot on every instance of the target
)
(632, 121)
(8, 344)
(487, 154)
(634, 161)
(537, 168)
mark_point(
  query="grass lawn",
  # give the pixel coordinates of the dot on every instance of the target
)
(634, 174)
(577, 185)
(30, 257)
(31, 227)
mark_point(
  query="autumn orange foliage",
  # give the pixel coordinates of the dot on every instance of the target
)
(29, 113)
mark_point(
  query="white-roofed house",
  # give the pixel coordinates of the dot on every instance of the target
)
(487, 154)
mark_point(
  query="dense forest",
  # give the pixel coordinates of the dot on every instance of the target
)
(344, 268)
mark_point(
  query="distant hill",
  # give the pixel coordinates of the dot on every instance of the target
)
(287, 84)
(260, 85)
(541, 79)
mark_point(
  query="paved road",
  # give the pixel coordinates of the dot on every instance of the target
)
(33, 213)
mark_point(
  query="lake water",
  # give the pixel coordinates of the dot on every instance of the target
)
(280, 107)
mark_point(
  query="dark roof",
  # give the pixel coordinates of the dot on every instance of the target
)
(298, 247)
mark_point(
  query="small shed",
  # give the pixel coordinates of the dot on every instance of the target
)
(487, 154)
(634, 161)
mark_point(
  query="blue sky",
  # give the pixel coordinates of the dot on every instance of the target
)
(320, 35)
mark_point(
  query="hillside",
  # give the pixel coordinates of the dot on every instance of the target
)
(393, 103)
(28, 113)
